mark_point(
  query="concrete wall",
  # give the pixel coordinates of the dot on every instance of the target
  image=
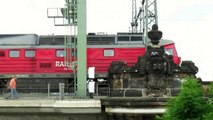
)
(52, 117)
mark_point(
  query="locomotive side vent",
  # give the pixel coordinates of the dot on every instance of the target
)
(2, 54)
(45, 65)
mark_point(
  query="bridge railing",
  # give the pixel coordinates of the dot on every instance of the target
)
(68, 90)
(39, 91)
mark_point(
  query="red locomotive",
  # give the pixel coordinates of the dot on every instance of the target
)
(38, 60)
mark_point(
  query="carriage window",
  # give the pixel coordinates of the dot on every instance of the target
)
(14, 53)
(30, 53)
(60, 53)
(109, 53)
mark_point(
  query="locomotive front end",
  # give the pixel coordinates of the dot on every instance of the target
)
(155, 74)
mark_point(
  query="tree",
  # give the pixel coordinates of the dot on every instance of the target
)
(189, 104)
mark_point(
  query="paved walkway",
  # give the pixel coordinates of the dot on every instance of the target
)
(41, 103)
(34, 96)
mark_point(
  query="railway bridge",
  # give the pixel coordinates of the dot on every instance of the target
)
(62, 105)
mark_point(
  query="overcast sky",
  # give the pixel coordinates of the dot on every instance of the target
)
(188, 22)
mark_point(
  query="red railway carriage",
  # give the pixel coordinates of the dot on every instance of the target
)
(41, 58)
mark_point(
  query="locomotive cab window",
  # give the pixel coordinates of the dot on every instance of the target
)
(14, 53)
(30, 53)
(109, 53)
(169, 51)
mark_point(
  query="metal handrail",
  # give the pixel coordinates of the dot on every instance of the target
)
(38, 90)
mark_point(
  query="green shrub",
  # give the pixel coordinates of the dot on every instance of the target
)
(189, 104)
(209, 116)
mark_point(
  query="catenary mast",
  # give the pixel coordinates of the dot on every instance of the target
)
(147, 15)
(73, 17)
